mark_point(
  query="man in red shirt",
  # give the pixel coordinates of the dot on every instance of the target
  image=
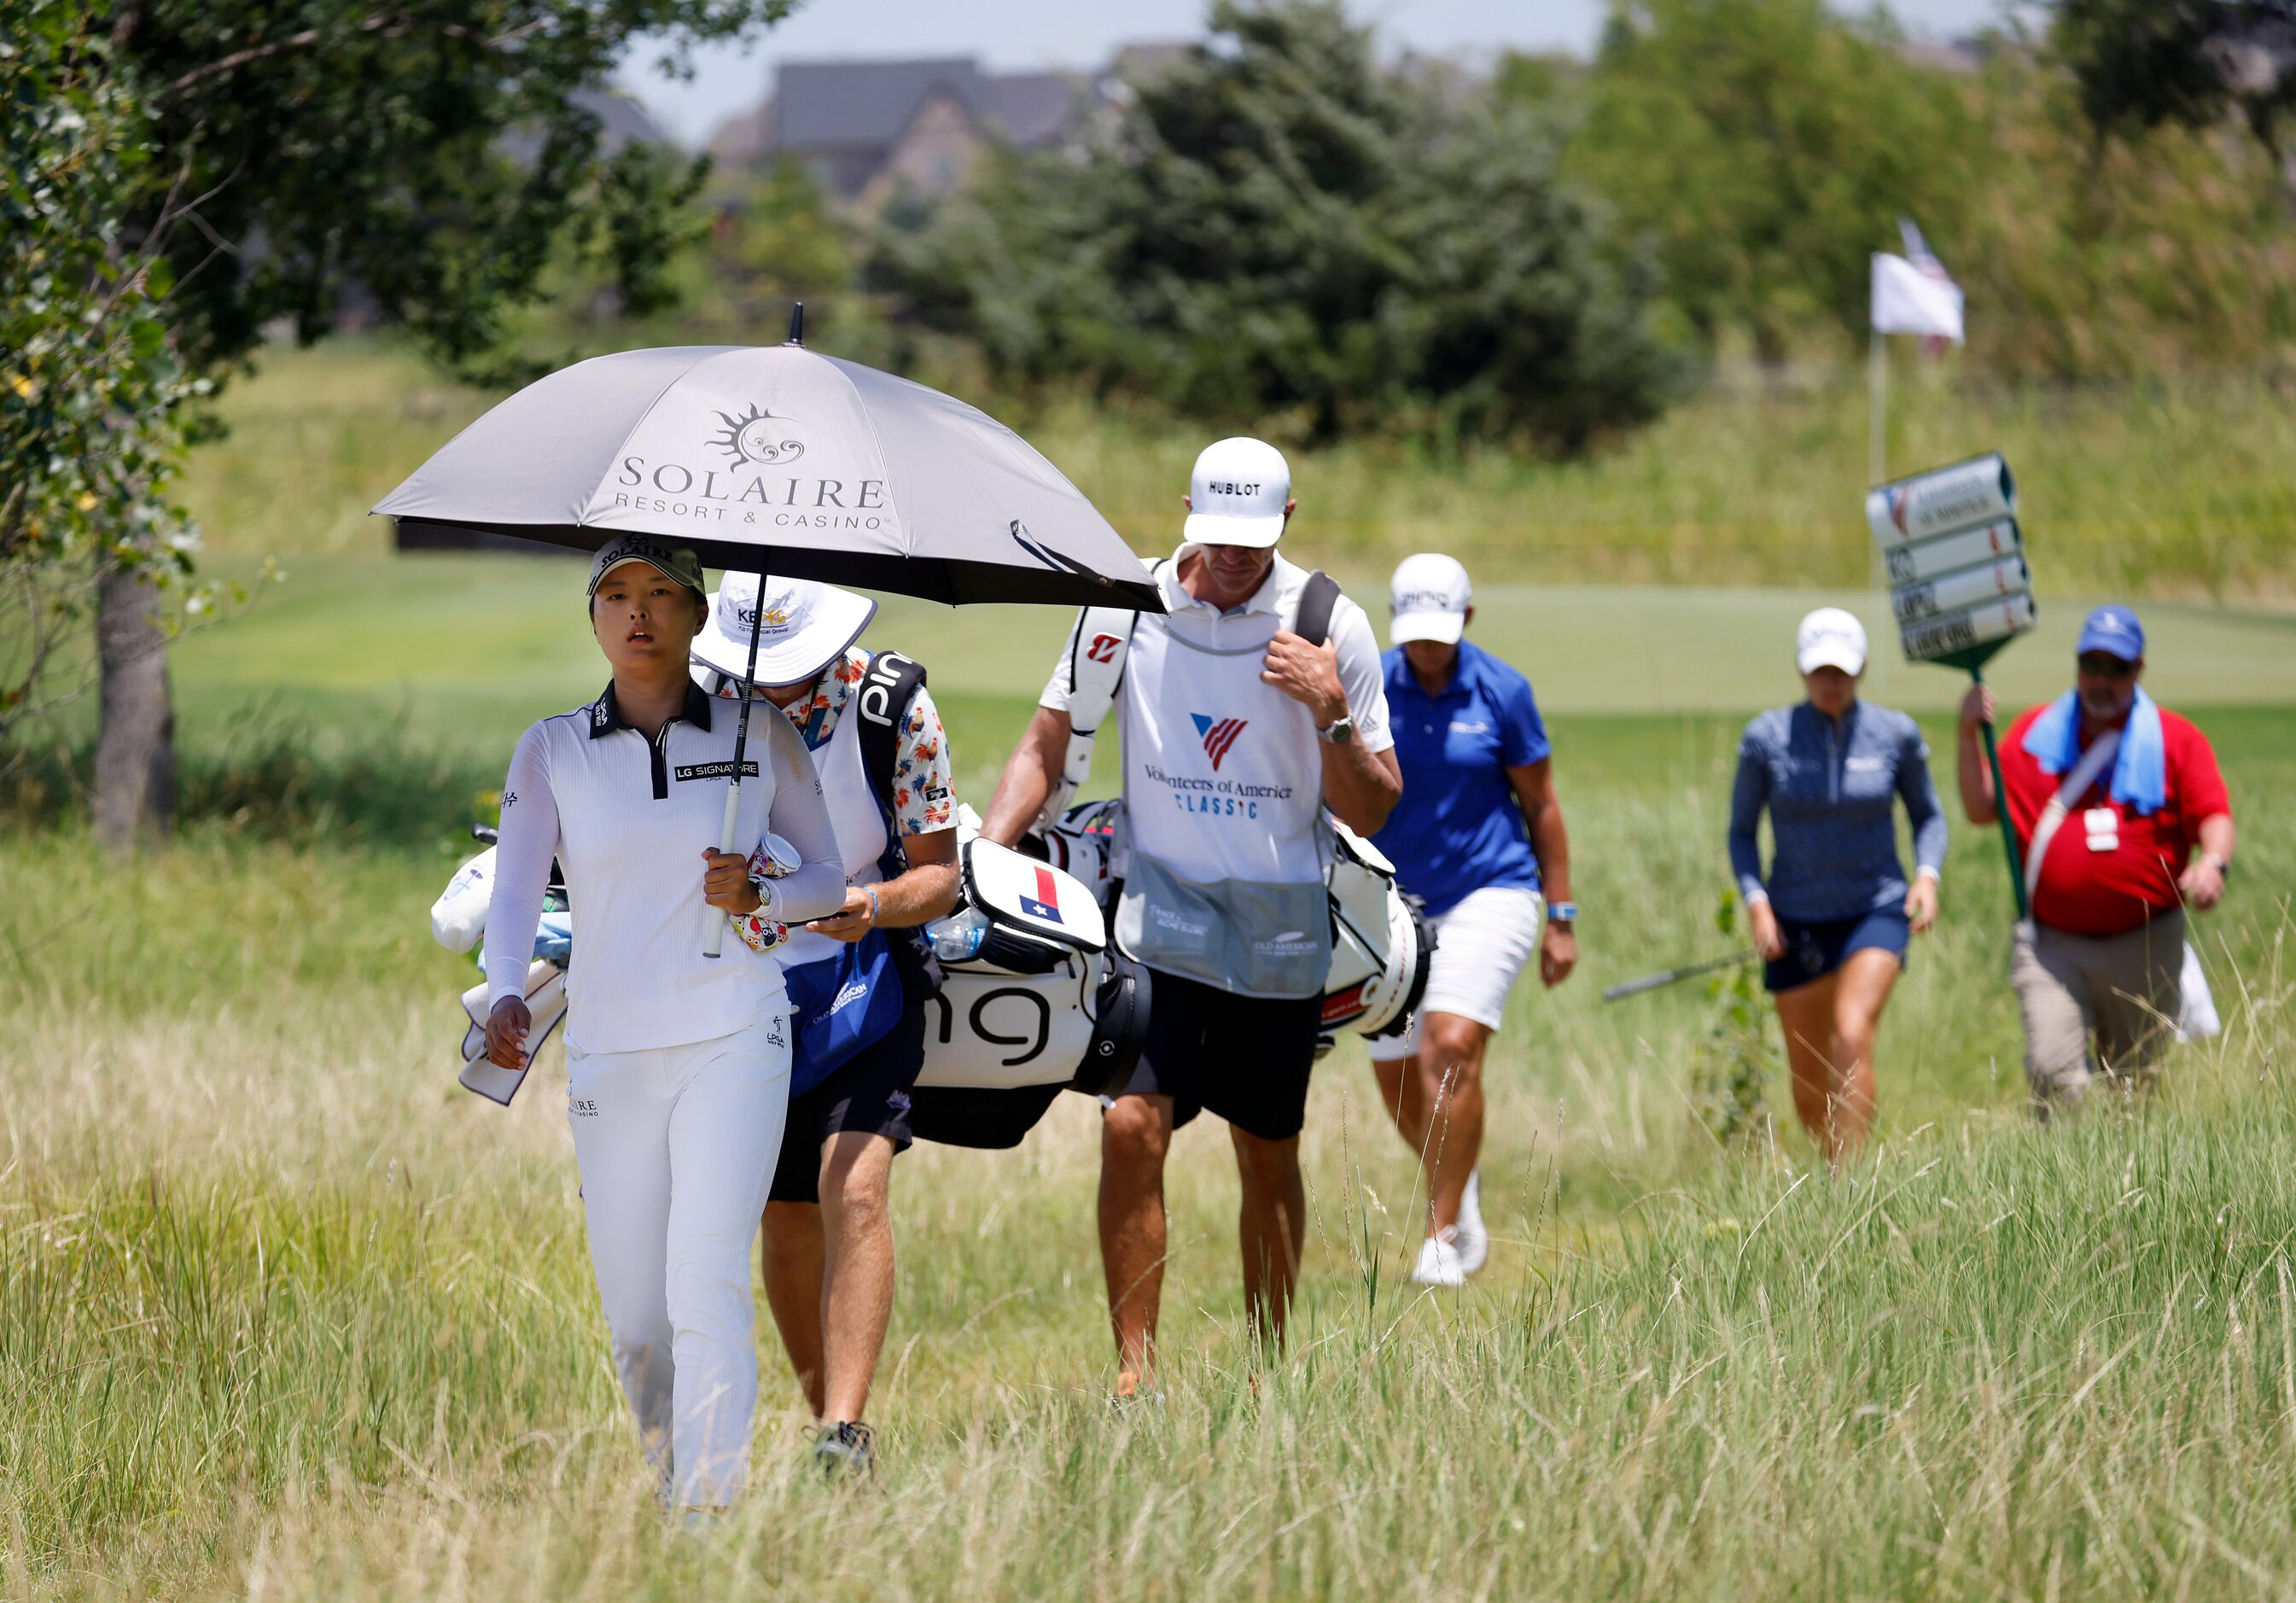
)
(2109, 793)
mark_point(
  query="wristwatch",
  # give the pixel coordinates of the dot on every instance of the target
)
(1338, 731)
(1563, 912)
(2222, 867)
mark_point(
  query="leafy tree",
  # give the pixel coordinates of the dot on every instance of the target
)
(2142, 63)
(438, 151)
(1282, 235)
(89, 384)
(1764, 148)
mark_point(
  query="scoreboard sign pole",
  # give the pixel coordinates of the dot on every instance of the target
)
(1959, 585)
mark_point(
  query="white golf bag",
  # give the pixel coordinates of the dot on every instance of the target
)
(1046, 1000)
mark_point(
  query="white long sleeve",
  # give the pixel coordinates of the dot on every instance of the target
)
(632, 819)
(527, 841)
(800, 816)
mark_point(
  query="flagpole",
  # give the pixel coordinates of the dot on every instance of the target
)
(1877, 387)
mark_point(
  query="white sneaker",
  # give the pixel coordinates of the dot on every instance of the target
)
(1473, 1241)
(1438, 1260)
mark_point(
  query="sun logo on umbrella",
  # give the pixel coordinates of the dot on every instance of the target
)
(750, 438)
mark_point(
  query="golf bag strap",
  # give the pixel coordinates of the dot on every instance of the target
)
(882, 702)
(1312, 621)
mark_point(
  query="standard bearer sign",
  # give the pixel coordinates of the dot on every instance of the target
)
(1959, 586)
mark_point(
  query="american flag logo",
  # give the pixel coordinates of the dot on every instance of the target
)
(1219, 736)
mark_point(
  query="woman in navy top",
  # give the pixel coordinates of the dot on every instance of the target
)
(1478, 836)
(1833, 917)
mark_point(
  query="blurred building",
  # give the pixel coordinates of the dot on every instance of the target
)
(866, 131)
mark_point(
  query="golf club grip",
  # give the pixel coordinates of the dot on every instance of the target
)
(713, 939)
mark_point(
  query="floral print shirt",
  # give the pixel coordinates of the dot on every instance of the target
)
(924, 789)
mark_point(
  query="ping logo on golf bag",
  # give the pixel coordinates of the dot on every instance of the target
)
(1219, 736)
(1032, 1044)
(877, 688)
(1046, 902)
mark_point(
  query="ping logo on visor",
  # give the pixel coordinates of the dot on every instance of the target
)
(1219, 736)
(1045, 903)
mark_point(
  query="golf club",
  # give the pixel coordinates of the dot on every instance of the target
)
(1668, 976)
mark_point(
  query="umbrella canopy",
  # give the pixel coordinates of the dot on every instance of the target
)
(778, 459)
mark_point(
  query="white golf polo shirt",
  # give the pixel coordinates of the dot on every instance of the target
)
(1182, 759)
(629, 819)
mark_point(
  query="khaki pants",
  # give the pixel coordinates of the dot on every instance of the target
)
(2123, 991)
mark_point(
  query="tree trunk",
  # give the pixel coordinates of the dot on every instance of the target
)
(136, 747)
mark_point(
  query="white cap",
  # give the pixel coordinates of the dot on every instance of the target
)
(1238, 494)
(1429, 595)
(1830, 638)
(802, 627)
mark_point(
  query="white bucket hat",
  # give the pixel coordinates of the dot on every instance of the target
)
(803, 626)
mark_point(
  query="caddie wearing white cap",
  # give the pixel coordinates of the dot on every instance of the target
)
(858, 978)
(677, 1064)
(1832, 916)
(1478, 836)
(1236, 731)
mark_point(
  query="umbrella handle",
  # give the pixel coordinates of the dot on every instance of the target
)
(713, 938)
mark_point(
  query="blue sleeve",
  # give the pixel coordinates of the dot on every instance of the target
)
(1922, 808)
(1522, 733)
(1747, 794)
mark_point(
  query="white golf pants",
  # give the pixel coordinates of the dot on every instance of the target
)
(676, 1145)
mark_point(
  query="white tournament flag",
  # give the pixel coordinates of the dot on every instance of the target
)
(1908, 301)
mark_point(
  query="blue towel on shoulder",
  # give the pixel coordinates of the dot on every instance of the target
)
(2140, 769)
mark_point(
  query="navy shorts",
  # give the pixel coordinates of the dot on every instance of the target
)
(1245, 1059)
(1814, 950)
(868, 1092)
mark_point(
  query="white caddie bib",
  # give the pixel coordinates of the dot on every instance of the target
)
(1223, 785)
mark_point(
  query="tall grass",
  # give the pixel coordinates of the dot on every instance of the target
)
(284, 1312)
(2177, 488)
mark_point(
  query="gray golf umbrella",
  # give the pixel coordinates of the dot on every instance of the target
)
(778, 459)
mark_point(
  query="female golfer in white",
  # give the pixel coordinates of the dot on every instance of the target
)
(678, 1064)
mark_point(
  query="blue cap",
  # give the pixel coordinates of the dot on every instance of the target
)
(2114, 631)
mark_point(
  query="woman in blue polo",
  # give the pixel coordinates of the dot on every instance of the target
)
(1832, 917)
(1478, 836)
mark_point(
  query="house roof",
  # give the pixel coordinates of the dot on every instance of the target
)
(829, 105)
(1036, 108)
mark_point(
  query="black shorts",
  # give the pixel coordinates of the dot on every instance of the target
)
(869, 1093)
(1245, 1059)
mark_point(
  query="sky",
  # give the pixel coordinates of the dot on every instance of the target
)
(1008, 34)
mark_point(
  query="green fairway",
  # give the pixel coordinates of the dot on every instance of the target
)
(472, 647)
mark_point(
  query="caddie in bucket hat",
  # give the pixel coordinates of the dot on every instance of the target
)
(858, 980)
(1236, 732)
(2111, 794)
